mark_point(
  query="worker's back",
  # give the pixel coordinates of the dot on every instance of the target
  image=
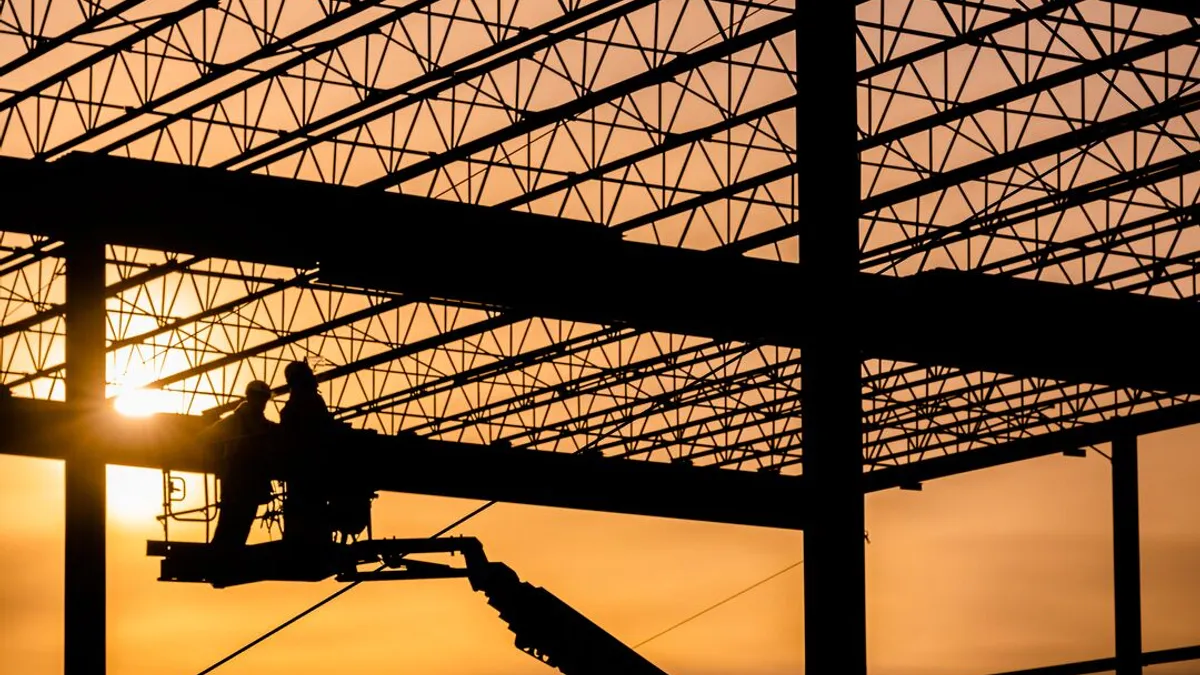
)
(305, 422)
(244, 444)
(305, 410)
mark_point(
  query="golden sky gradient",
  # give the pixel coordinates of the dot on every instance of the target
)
(1004, 569)
(979, 573)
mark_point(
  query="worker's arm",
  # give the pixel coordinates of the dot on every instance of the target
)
(215, 441)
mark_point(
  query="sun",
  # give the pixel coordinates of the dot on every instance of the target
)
(132, 397)
(140, 402)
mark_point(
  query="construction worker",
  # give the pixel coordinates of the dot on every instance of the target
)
(243, 442)
(305, 408)
(322, 494)
(304, 420)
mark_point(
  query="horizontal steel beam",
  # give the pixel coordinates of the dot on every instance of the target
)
(1032, 329)
(1184, 7)
(579, 271)
(417, 465)
(1032, 447)
(1154, 658)
(442, 468)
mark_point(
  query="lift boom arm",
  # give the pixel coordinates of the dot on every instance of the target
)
(553, 632)
(545, 627)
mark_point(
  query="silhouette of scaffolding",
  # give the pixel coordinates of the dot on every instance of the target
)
(520, 229)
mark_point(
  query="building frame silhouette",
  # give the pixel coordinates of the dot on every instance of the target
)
(908, 374)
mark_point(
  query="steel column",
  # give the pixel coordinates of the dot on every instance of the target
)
(1127, 578)
(828, 174)
(85, 476)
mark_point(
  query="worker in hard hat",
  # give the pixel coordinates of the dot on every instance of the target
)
(305, 409)
(325, 493)
(243, 441)
(304, 421)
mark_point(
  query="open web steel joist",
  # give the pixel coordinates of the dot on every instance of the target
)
(630, 287)
(1032, 175)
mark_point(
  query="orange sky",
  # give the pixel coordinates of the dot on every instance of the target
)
(979, 573)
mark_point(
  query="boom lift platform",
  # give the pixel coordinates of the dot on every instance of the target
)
(545, 627)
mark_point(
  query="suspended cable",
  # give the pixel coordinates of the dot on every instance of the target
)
(710, 608)
(341, 591)
(333, 596)
(338, 593)
(760, 582)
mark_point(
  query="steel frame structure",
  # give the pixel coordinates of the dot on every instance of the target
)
(1054, 141)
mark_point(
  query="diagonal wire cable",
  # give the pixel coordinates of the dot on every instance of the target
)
(710, 608)
(333, 596)
(330, 598)
(760, 582)
(341, 591)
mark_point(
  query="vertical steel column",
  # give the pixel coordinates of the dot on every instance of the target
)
(1127, 573)
(829, 185)
(85, 476)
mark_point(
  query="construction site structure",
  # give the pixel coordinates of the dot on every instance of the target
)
(730, 261)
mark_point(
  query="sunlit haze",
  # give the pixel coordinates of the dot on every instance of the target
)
(1005, 569)
(1001, 141)
(141, 402)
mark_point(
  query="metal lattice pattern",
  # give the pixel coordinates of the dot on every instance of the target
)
(1052, 139)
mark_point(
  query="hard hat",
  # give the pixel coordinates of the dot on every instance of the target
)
(258, 388)
(298, 371)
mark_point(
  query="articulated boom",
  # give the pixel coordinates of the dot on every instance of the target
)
(545, 627)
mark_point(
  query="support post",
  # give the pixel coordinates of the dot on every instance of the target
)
(85, 634)
(1127, 573)
(828, 198)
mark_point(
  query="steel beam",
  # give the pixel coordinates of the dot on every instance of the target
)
(164, 22)
(1155, 658)
(944, 118)
(671, 141)
(1068, 142)
(218, 71)
(977, 36)
(417, 465)
(1048, 205)
(1127, 575)
(288, 338)
(85, 470)
(948, 317)
(145, 277)
(1138, 424)
(93, 23)
(1078, 141)
(1183, 7)
(1035, 86)
(835, 620)
(167, 327)
(523, 44)
(534, 120)
(38, 429)
(507, 261)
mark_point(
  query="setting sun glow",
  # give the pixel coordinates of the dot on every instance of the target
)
(139, 402)
(134, 496)
(132, 394)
